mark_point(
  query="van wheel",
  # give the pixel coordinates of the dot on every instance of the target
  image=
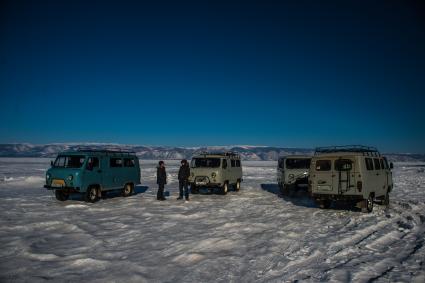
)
(368, 204)
(224, 189)
(61, 195)
(325, 204)
(127, 190)
(91, 195)
(194, 189)
(238, 185)
(386, 200)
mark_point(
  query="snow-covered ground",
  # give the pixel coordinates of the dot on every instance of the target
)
(252, 235)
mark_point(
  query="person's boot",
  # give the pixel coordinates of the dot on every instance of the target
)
(179, 198)
(187, 198)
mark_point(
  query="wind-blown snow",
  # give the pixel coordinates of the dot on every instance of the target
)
(252, 235)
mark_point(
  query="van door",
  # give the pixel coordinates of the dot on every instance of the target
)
(323, 176)
(114, 172)
(92, 172)
(225, 169)
(343, 180)
(380, 178)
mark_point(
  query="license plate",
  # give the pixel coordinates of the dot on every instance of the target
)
(324, 188)
(58, 183)
(201, 183)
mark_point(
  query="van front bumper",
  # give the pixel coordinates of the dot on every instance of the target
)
(336, 197)
(69, 189)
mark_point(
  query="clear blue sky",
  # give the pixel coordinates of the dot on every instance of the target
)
(295, 73)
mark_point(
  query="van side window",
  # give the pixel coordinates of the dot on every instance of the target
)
(386, 163)
(377, 164)
(115, 162)
(281, 163)
(224, 164)
(92, 162)
(129, 162)
(323, 165)
(233, 163)
(382, 163)
(238, 163)
(369, 163)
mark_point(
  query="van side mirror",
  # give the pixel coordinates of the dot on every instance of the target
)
(51, 163)
(391, 165)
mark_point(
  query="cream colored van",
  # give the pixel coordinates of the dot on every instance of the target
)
(216, 170)
(292, 170)
(350, 173)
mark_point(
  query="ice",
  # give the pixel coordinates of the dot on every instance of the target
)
(255, 235)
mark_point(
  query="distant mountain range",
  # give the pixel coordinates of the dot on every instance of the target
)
(168, 152)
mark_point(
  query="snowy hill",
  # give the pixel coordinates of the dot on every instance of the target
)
(166, 152)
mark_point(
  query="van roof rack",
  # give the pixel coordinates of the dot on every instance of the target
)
(223, 153)
(365, 150)
(103, 150)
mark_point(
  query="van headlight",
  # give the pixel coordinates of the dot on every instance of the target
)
(291, 176)
(48, 176)
(70, 177)
(213, 174)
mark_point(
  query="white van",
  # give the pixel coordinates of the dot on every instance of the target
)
(292, 170)
(350, 173)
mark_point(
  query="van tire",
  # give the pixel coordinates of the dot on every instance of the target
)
(194, 189)
(225, 188)
(92, 194)
(238, 185)
(61, 195)
(325, 204)
(368, 204)
(127, 190)
(386, 200)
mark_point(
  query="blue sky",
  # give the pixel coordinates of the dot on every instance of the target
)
(295, 73)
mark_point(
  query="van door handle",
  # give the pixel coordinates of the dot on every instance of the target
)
(99, 171)
(377, 174)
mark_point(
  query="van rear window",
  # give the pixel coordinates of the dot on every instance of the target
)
(323, 165)
(343, 165)
(369, 163)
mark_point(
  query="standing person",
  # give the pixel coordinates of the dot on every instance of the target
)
(161, 180)
(184, 173)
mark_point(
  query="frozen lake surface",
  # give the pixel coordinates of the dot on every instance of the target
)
(254, 235)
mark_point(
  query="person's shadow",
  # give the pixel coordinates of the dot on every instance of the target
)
(298, 196)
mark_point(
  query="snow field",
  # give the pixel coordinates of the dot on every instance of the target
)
(255, 235)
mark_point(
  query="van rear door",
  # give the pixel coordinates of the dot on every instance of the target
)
(344, 177)
(322, 177)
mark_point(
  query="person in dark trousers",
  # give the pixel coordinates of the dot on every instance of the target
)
(161, 180)
(184, 173)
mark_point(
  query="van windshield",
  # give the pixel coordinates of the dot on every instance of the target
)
(298, 163)
(206, 162)
(69, 161)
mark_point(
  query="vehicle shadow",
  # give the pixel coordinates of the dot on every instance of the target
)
(117, 193)
(297, 197)
(300, 197)
(110, 194)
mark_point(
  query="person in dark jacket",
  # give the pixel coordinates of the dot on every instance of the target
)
(161, 180)
(184, 173)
